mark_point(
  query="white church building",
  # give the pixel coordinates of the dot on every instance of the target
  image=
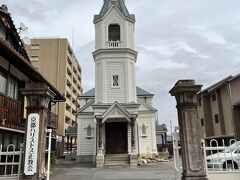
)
(116, 121)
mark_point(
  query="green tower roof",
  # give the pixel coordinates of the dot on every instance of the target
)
(120, 4)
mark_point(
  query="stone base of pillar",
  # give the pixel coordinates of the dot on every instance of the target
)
(194, 178)
(133, 160)
(99, 160)
(133, 150)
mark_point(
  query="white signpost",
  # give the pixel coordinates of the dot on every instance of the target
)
(30, 165)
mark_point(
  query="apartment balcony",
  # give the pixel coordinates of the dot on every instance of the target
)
(68, 112)
(114, 44)
(52, 120)
(68, 90)
(11, 114)
(68, 102)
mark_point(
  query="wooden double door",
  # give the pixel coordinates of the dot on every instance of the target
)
(116, 138)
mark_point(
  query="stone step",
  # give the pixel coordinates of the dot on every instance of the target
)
(117, 155)
(116, 159)
(116, 163)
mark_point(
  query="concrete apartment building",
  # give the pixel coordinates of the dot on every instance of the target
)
(55, 59)
(219, 109)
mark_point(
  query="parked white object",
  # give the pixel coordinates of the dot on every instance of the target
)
(49, 131)
(221, 160)
(226, 159)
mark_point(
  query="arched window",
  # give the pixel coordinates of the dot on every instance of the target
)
(89, 131)
(144, 128)
(114, 32)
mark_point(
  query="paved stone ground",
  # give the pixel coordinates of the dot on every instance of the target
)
(71, 170)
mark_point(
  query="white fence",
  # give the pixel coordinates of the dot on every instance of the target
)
(10, 162)
(222, 162)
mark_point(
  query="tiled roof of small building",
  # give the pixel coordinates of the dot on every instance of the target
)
(140, 92)
(6, 16)
(71, 130)
(162, 127)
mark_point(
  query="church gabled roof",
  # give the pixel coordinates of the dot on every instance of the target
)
(90, 93)
(116, 111)
(120, 4)
(140, 92)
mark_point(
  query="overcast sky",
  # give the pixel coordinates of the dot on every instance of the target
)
(175, 39)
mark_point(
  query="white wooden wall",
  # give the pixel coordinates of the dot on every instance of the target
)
(85, 145)
(147, 144)
(127, 30)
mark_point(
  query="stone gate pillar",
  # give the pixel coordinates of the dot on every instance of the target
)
(38, 98)
(185, 92)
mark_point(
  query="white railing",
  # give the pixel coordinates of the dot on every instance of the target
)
(221, 161)
(114, 44)
(10, 162)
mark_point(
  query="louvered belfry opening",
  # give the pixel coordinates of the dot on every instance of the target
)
(114, 32)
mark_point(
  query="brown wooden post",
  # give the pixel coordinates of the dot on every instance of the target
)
(71, 143)
(67, 144)
(185, 92)
(38, 98)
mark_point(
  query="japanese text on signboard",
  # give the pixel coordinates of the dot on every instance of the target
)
(31, 144)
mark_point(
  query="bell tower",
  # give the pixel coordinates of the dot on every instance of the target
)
(114, 54)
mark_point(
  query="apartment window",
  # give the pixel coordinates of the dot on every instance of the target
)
(69, 72)
(74, 80)
(144, 130)
(216, 118)
(68, 108)
(34, 58)
(69, 83)
(202, 122)
(67, 121)
(214, 97)
(69, 61)
(74, 91)
(73, 124)
(35, 46)
(70, 50)
(115, 80)
(68, 95)
(79, 78)
(74, 70)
